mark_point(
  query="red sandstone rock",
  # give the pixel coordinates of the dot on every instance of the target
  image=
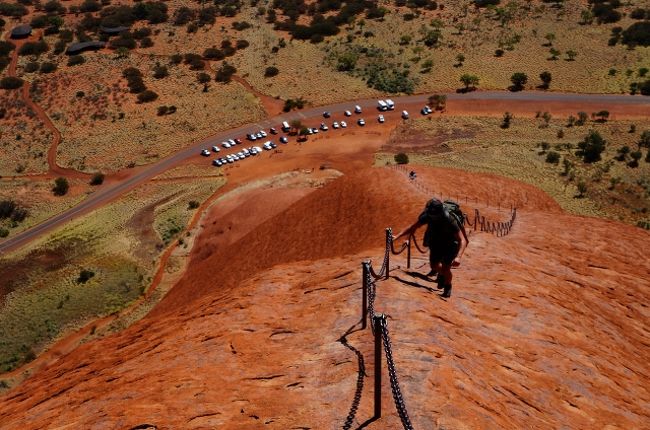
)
(546, 328)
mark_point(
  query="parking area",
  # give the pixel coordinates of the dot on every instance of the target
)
(238, 149)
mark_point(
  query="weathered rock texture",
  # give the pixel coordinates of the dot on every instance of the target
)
(546, 328)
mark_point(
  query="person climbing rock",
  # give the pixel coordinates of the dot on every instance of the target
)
(412, 175)
(445, 237)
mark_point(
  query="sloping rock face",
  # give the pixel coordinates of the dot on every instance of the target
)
(546, 328)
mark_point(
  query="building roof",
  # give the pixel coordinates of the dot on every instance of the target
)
(78, 47)
(113, 30)
(22, 30)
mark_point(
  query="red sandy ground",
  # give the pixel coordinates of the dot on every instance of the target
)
(546, 327)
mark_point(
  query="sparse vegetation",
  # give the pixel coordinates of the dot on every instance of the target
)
(401, 158)
(61, 186)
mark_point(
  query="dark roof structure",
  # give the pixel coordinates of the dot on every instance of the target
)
(76, 48)
(21, 31)
(112, 30)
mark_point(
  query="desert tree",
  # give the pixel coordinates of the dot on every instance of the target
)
(470, 81)
(546, 79)
(61, 186)
(518, 80)
(591, 147)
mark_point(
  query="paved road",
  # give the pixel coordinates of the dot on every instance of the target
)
(412, 103)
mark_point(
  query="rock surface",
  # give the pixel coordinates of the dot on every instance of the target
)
(546, 328)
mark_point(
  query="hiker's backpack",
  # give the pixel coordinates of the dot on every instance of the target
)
(440, 214)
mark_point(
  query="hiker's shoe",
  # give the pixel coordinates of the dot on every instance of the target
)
(431, 273)
(440, 281)
(447, 292)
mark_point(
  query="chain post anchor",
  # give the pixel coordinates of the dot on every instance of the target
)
(389, 246)
(364, 292)
(377, 322)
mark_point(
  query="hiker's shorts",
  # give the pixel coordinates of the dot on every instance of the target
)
(443, 253)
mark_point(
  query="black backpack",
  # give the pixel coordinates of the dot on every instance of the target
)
(447, 212)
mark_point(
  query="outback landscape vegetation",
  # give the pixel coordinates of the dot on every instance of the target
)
(111, 221)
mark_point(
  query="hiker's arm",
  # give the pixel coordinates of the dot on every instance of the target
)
(462, 240)
(411, 229)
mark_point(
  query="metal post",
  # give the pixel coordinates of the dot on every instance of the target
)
(389, 234)
(376, 320)
(364, 291)
(408, 252)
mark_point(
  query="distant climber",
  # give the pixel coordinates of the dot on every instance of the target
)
(445, 237)
(412, 175)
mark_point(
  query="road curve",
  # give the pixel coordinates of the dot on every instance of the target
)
(109, 192)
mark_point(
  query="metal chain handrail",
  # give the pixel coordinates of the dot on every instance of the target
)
(400, 405)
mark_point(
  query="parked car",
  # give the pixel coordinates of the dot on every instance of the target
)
(231, 142)
(390, 104)
(205, 152)
(273, 130)
(361, 122)
(230, 160)
(273, 145)
(259, 135)
(381, 105)
(381, 119)
(335, 125)
(217, 163)
(283, 139)
(237, 141)
(357, 109)
(251, 137)
(314, 130)
(344, 124)
(215, 149)
(348, 113)
(426, 110)
(326, 114)
(323, 126)
(225, 145)
(405, 115)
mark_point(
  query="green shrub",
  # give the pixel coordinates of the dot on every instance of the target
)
(553, 157)
(10, 83)
(84, 276)
(271, 71)
(48, 67)
(147, 96)
(97, 179)
(193, 204)
(75, 60)
(401, 158)
(61, 186)
(4, 232)
(591, 147)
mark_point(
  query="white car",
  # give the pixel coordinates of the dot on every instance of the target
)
(225, 145)
(231, 142)
(259, 135)
(205, 152)
(217, 163)
(251, 136)
(426, 110)
(348, 113)
(215, 149)
(230, 160)
(361, 122)
(335, 125)
(405, 115)
(357, 109)
(314, 129)
(263, 133)
(344, 124)
(283, 139)
(258, 149)
(381, 119)
(267, 146)
(323, 126)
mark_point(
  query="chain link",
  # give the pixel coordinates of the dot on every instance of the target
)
(400, 405)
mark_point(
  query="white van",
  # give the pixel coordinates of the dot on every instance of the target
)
(381, 105)
(405, 115)
(390, 104)
(285, 127)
